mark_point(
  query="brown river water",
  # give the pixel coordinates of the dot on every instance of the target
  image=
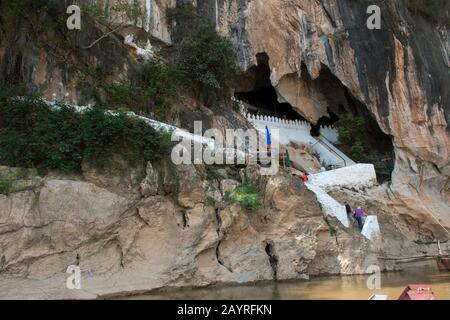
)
(320, 288)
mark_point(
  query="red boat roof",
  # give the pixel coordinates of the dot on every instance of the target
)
(418, 292)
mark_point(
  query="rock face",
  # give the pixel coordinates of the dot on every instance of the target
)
(133, 244)
(318, 50)
(139, 229)
(59, 71)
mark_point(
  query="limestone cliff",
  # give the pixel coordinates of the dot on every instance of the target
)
(156, 229)
(319, 52)
(399, 73)
(138, 229)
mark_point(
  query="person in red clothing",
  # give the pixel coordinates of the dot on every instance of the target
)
(305, 178)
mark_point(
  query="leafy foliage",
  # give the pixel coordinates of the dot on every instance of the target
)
(247, 195)
(5, 184)
(33, 135)
(351, 131)
(205, 61)
(211, 202)
(437, 10)
(103, 134)
(94, 11)
(122, 10)
(152, 92)
(125, 10)
(23, 7)
(7, 181)
(332, 230)
(184, 20)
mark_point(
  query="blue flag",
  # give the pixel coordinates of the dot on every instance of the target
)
(269, 141)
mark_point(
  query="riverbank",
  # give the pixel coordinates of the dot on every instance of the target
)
(319, 288)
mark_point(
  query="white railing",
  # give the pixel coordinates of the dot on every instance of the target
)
(330, 133)
(330, 154)
(300, 132)
(278, 123)
(290, 131)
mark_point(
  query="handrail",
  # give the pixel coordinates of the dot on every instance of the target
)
(319, 140)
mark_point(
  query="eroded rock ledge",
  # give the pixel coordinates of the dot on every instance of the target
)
(133, 242)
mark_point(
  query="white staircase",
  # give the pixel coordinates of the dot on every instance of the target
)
(330, 206)
(348, 173)
(300, 132)
(357, 176)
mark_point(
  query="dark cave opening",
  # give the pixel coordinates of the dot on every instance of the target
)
(367, 143)
(261, 97)
(263, 101)
(273, 258)
(324, 121)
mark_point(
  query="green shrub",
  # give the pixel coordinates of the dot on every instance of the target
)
(211, 175)
(159, 82)
(436, 10)
(7, 181)
(23, 7)
(332, 230)
(122, 10)
(33, 135)
(124, 95)
(352, 132)
(95, 11)
(5, 185)
(205, 61)
(247, 195)
(104, 134)
(127, 11)
(184, 20)
(211, 201)
(152, 92)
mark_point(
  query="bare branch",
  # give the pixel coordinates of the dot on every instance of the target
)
(103, 36)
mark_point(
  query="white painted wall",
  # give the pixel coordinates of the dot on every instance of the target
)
(332, 155)
(358, 176)
(300, 132)
(290, 130)
(330, 133)
(181, 133)
(330, 206)
(371, 228)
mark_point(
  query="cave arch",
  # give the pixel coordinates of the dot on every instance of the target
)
(334, 102)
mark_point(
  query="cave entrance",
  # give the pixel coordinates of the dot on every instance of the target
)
(365, 142)
(324, 121)
(360, 136)
(256, 90)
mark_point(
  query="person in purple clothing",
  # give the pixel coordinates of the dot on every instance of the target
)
(359, 213)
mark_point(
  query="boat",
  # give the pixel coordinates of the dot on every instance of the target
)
(418, 292)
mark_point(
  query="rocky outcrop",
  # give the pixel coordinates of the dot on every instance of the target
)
(158, 226)
(128, 243)
(41, 53)
(319, 51)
